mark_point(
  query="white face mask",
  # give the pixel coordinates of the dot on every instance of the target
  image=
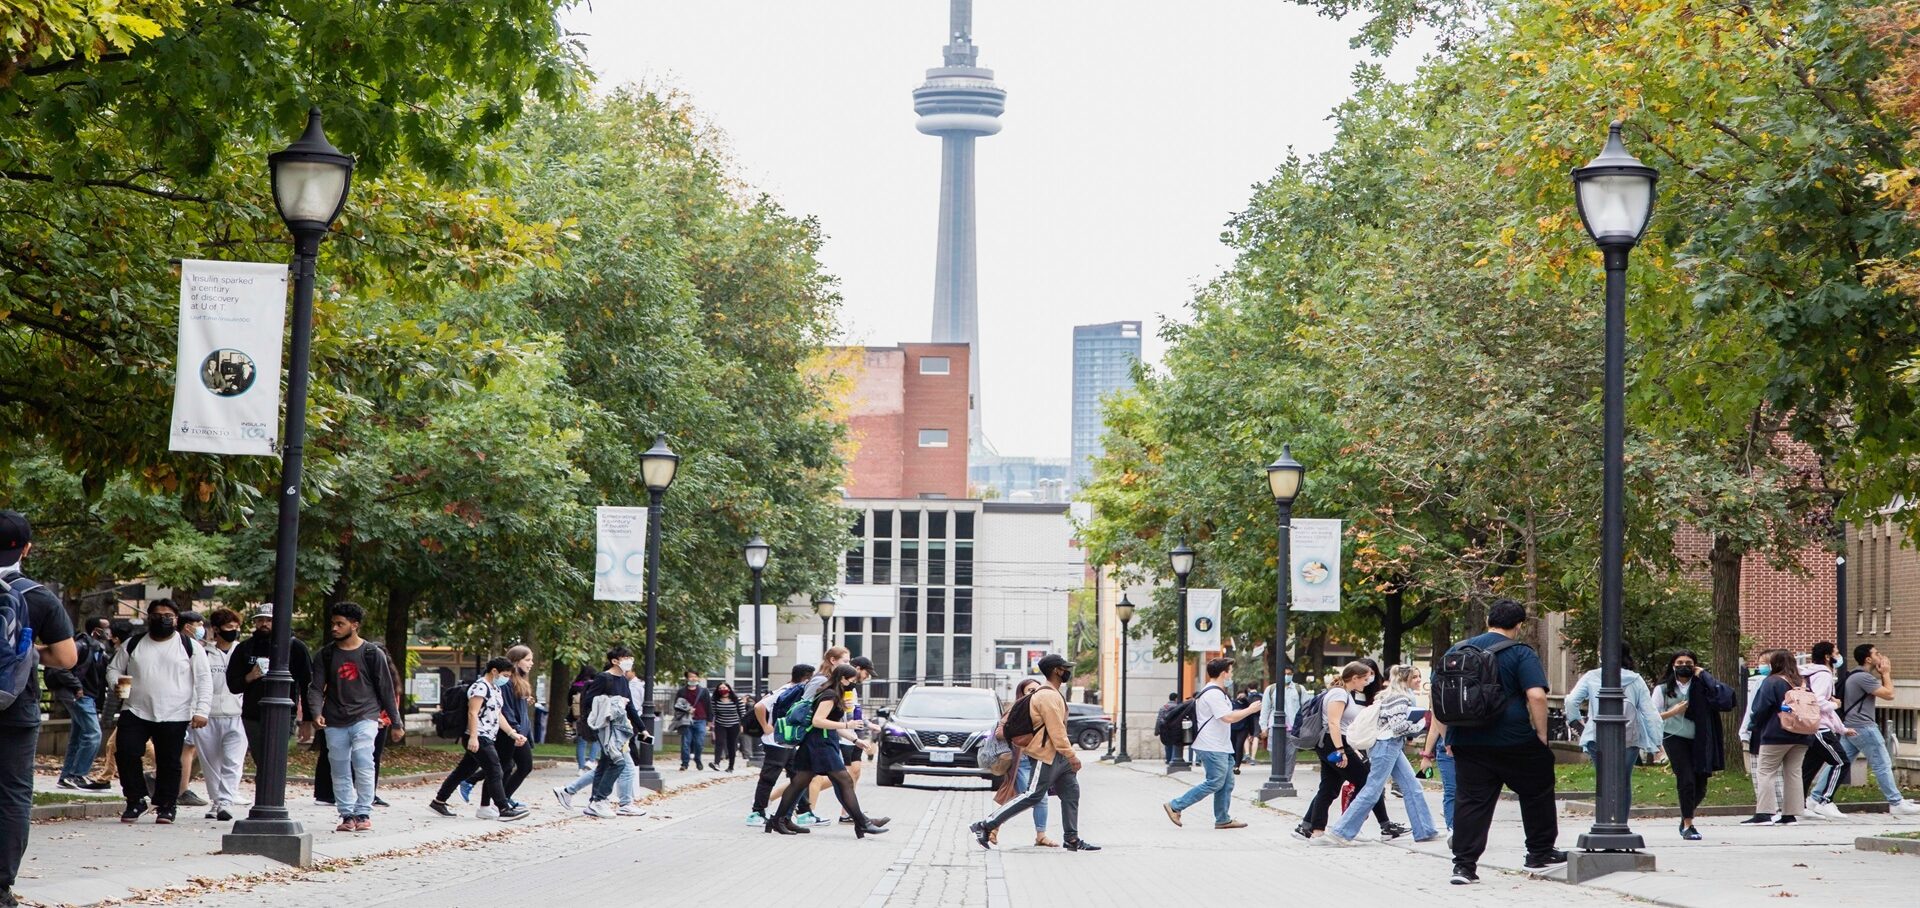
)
(626, 665)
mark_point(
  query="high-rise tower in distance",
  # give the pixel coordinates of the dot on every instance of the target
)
(1103, 360)
(959, 103)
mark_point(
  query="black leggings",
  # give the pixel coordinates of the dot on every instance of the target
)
(1688, 781)
(516, 762)
(842, 788)
(1331, 778)
(726, 742)
(484, 763)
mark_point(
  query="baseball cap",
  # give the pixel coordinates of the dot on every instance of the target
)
(15, 533)
(862, 662)
(1052, 662)
(264, 610)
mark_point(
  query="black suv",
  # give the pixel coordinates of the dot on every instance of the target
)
(937, 731)
(1088, 726)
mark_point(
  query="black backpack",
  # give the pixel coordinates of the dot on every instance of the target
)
(185, 641)
(1019, 722)
(1467, 692)
(1177, 728)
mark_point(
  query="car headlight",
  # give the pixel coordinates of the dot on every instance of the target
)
(895, 731)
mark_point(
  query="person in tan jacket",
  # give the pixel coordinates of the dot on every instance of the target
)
(1052, 751)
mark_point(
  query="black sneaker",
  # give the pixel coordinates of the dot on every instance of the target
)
(513, 813)
(846, 819)
(441, 808)
(1758, 819)
(224, 816)
(94, 785)
(1463, 876)
(163, 816)
(980, 832)
(1545, 859)
(69, 782)
(1785, 820)
(1080, 845)
(7, 899)
(1392, 831)
(135, 810)
(1303, 832)
(378, 802)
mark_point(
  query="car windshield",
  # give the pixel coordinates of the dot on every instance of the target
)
(926, 703)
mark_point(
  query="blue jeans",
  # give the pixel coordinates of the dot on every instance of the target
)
(1443, 759)
(1387, 760)
(83, 739)
(622, 787)
(584, 752)
(693, 741)
(1592, 750)
(350, 751)
(1219, 783)
(614, 767)
(1020, 777)
(1870, 742)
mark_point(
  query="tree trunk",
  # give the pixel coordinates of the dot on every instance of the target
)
(1442, 635)
(559, 692)
(399, 625)
(342, 587)
(1723, 564)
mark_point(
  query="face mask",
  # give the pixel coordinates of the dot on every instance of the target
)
(160, 628)
(1764, 670)
(626, 665)
(500, 681)
(200, 632)
(1683, 671)
(230, 635)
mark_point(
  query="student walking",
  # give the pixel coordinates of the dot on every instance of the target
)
(223, 742)
(82, 691)
(1824, 749)
(692, 707)
(1490, 700)
(1046, 720)
(1214, 716)
(514, 740)
(1872, 681)
(246, 676)
(35, 609)
(585, 749)
(171, 691)
(1022, 774)
(1338, 763)
(484, 700)
(729, 714)
(354, 685)
(1169, 738)
(775, 757)
(819, 754)
(1689, 702)
(1643, 720)
(613, 720)
(1246, 728)
(1785, 716)
(1387, 759)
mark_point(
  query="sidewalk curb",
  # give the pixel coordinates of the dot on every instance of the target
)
(1880, 844)
(417, 777)
(77, 810)
(1585, 809)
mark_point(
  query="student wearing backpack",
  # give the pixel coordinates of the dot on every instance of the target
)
(354, 685)
(26, 608)
(1490, 702)
(775, 756)
(482, 757)
(1214, 716)
(819, 754)
(1391, 726)
(1785, 716)
(612, 724)
(82, 691)
(1825, 748)
(172, 690)
(1858, 691)
(1051, 749)
(1322, 724)
(1643, 721)
(1167, 740)
(1690, 701)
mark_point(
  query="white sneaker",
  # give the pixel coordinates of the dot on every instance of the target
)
(564, 796)
(599, 810)
(631, 810)
(1905, 808)
(488, 812)
(1829, 810)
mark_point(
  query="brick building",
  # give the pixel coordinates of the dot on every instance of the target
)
(1883, 608)
(908, 417)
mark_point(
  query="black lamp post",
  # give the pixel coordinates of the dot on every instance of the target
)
(1283, 480)
(657, 467)
(310, 180)
(1182, 559)
(1123, 611)
(823, 606)
(756, 552)
(1615, 196)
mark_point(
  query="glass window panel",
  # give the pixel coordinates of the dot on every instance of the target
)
(936, 524)
(856, 568)
(962, 564)
(883, 524)
(909, 656)
(882, 562)
(936, 562)
(880, 625)
(909, 611)
(963, 602)
(936, 612)
(963, 524)
(936, 658)
(909, 524)
(852, 625)
(859, 524)
(962, 623)
(963, 657)
(882, 656)
(853, 645)
(909, 562)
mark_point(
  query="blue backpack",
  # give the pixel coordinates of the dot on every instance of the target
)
(792, 727)
(18, 658)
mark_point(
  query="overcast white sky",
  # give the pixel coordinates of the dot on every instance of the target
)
(1133, 131)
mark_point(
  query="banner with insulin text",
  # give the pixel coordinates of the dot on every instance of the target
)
(1203, 620)
(1316, 565)
(620, 554)
(226, 388)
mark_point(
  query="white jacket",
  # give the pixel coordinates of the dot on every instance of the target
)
(168, 686)
(225, 702)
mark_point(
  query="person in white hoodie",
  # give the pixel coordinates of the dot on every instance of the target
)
(1826, 749)
(223, 742)
(172, 690)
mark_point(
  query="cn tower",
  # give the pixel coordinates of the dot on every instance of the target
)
(959, 103)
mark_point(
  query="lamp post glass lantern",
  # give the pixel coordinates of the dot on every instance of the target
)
(658, 466)
(1181, 558)
(1615, 194)
(1124, 612)
(1284, 479)
(756, 553)
(823, 607)
(310, 181)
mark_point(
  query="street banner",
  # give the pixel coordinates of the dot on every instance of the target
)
(226, 387)
(1316, 565)
(620, 554)
(769, 629)
(1203, 620)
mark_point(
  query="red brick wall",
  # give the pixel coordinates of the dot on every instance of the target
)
(1883, 594)
(875, 417)
(935, 402)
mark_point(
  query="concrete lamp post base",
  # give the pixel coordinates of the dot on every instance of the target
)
(1586, 866)
(1276, 790)
(292, 848)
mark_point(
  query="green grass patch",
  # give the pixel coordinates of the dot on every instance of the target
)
(1653, 787)
(1900, 835)
(43, 798)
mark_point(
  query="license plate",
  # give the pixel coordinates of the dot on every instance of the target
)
(941, 756)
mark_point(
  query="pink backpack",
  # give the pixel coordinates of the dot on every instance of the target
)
(1800, 711)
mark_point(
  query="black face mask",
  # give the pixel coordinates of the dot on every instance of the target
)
(231, 635)
(160, 628)
(1683, 671)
